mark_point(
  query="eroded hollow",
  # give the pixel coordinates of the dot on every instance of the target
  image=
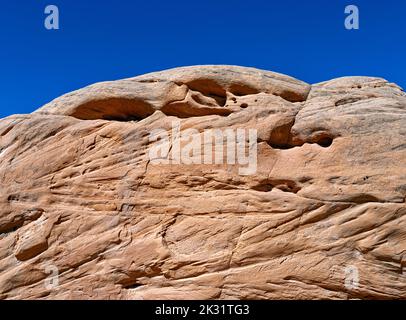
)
(127, 109)
(19, 220)
(282, 185)
(132, 285)
(11, 227)
(242, 90)
(202, 97)
(325, 142)
(209, 88)
(199, 97)
(283, 138)
(118, 109)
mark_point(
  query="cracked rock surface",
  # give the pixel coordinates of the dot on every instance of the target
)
(323, 217)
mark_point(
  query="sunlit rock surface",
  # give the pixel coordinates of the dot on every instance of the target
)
(86, 214)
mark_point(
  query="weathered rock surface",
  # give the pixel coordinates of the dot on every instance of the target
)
(323, 217)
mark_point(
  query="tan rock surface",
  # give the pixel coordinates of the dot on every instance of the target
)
(323, 217)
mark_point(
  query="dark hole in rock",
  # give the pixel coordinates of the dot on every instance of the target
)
(325, 142)
(281, 146)
(347, 101)
(122, 118)
(263, 187)
(282, 185)
(5, 231)
(132, 285)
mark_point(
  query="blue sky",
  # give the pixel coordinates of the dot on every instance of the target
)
(107, 40)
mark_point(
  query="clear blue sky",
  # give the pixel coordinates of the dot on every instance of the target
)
(107, 40)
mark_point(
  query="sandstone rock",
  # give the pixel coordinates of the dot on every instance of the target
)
(323, 217)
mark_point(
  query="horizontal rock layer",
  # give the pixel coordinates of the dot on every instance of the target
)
(86, 214)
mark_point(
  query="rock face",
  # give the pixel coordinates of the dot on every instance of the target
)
(86, 213)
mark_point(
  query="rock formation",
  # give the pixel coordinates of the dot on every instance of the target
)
(86, 214)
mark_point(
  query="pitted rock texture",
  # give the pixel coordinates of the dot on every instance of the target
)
(84, 214)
